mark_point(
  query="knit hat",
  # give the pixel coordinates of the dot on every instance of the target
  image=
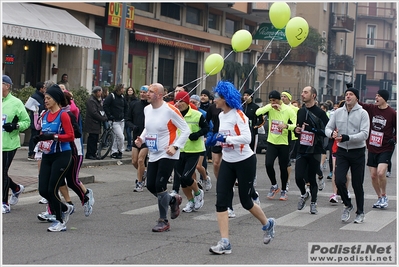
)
(183, 96)
(205, 92)
(354, 91)
(288, 95)
(274, 94)
(56, 93)
(384, 94)
(249, 92)
(7, 79)
(196, 98)
(96, 89)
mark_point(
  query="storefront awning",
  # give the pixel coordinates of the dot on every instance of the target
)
(170, 41)
(45, 24)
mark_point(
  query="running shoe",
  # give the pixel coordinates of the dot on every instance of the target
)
(6, 208)
(313, 208)
(257, 199)
(377, 204)
(320, 183)
(302, 200)
(65, 214)
(359, 218)
(329, 177)
(346, 213)
(162, 226)
(269, 232)
(231, 213)
(208, 183)
(43, 201)
(199, 200)
(139, 187)
(273, 191)
(88, 205)
(174, 208)
(333, 199)
(15, 195)
(57, 226)
(46, 217)
(388, 174)
(189, 207)
(283, 195)
(384, 202)
(221, 248)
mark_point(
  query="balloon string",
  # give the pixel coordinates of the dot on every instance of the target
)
(281, 61)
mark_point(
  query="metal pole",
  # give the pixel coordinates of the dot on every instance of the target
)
(122, 30)
(354, 47)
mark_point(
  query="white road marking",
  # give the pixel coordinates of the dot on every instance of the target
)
(300, 218)
(374, 221)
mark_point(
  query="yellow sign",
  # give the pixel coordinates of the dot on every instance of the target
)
(115, 16)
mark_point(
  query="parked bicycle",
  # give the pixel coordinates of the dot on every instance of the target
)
(105, 142)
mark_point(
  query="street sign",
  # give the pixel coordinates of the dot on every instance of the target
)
(267, 31)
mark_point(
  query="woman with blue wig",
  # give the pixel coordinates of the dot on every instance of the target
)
(238, 162)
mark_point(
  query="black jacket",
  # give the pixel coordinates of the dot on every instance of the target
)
(39, 97)
(249, 110)
(115, 107)
(94, 115)
(135, 116)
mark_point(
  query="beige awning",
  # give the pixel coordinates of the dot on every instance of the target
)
(45, 24)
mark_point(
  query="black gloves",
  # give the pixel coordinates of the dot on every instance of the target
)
(43, 137)
(194, 136)
(11, 126)
(345, 138)
(391, 142)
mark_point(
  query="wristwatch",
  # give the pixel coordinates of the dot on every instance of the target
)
(17, 126)
(176, 148)
(56, 137)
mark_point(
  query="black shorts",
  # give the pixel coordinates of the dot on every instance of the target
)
(217, 149)
(374, 159)
(143, 145)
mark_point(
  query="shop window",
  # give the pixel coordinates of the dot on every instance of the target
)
(213, 21)
(110, 35)
(166, 72)
(143, 6)
(190, 69)
(170, 11)
(231, 26)
(193, 16)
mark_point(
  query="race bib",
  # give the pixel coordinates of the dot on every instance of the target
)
(3, 121)
(307, 138)
(45, 146)
(376, 138)
(151, 140)
(274, 127)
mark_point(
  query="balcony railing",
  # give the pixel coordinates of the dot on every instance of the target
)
(298, 55)
(380, 44)
(342, 23)
(386, 13)
(378, 75)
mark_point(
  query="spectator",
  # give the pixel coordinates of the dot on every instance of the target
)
(64, 81)
(130, 97)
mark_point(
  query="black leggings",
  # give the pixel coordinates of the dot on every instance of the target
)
(53, 169)
(306, 167)
(158, 173)
(185, 167)
(282, 152)
(72, 177)
(8, 183)
(244, 171)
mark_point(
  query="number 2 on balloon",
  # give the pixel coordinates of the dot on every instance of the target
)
(297, 36)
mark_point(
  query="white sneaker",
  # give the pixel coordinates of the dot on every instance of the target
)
(199, 200)
(57, 226)
(189, 207)
(231, 213)
(6, 208)
(43, 201)
(256, 200)
(65, 214)
(388, 174)
(208, 183)
(15, 195)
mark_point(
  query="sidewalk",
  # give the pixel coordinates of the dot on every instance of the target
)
(25, 172)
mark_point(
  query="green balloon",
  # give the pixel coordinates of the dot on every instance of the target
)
(213, 64)
(241, 40)
(296, 31)
(279, 14)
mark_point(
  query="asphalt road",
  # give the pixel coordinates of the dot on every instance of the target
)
(119, 230)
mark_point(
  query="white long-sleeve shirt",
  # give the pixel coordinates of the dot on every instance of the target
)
(234, 125)
(160, 131)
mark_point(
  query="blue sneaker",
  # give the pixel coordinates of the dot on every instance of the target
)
(15, 195)
(269, 233)
(221, 248)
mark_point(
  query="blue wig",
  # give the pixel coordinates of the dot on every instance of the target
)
(228, 92)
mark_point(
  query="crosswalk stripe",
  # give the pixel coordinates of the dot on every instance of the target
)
(238, 210)
(300, 218)
(374, 221)
(143, 210)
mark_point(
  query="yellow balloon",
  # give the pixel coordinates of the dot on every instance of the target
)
(279, 14)
(213, 64)
(296, 31)
(241, 40)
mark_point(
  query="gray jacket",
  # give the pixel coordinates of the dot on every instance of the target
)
(355, 124)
